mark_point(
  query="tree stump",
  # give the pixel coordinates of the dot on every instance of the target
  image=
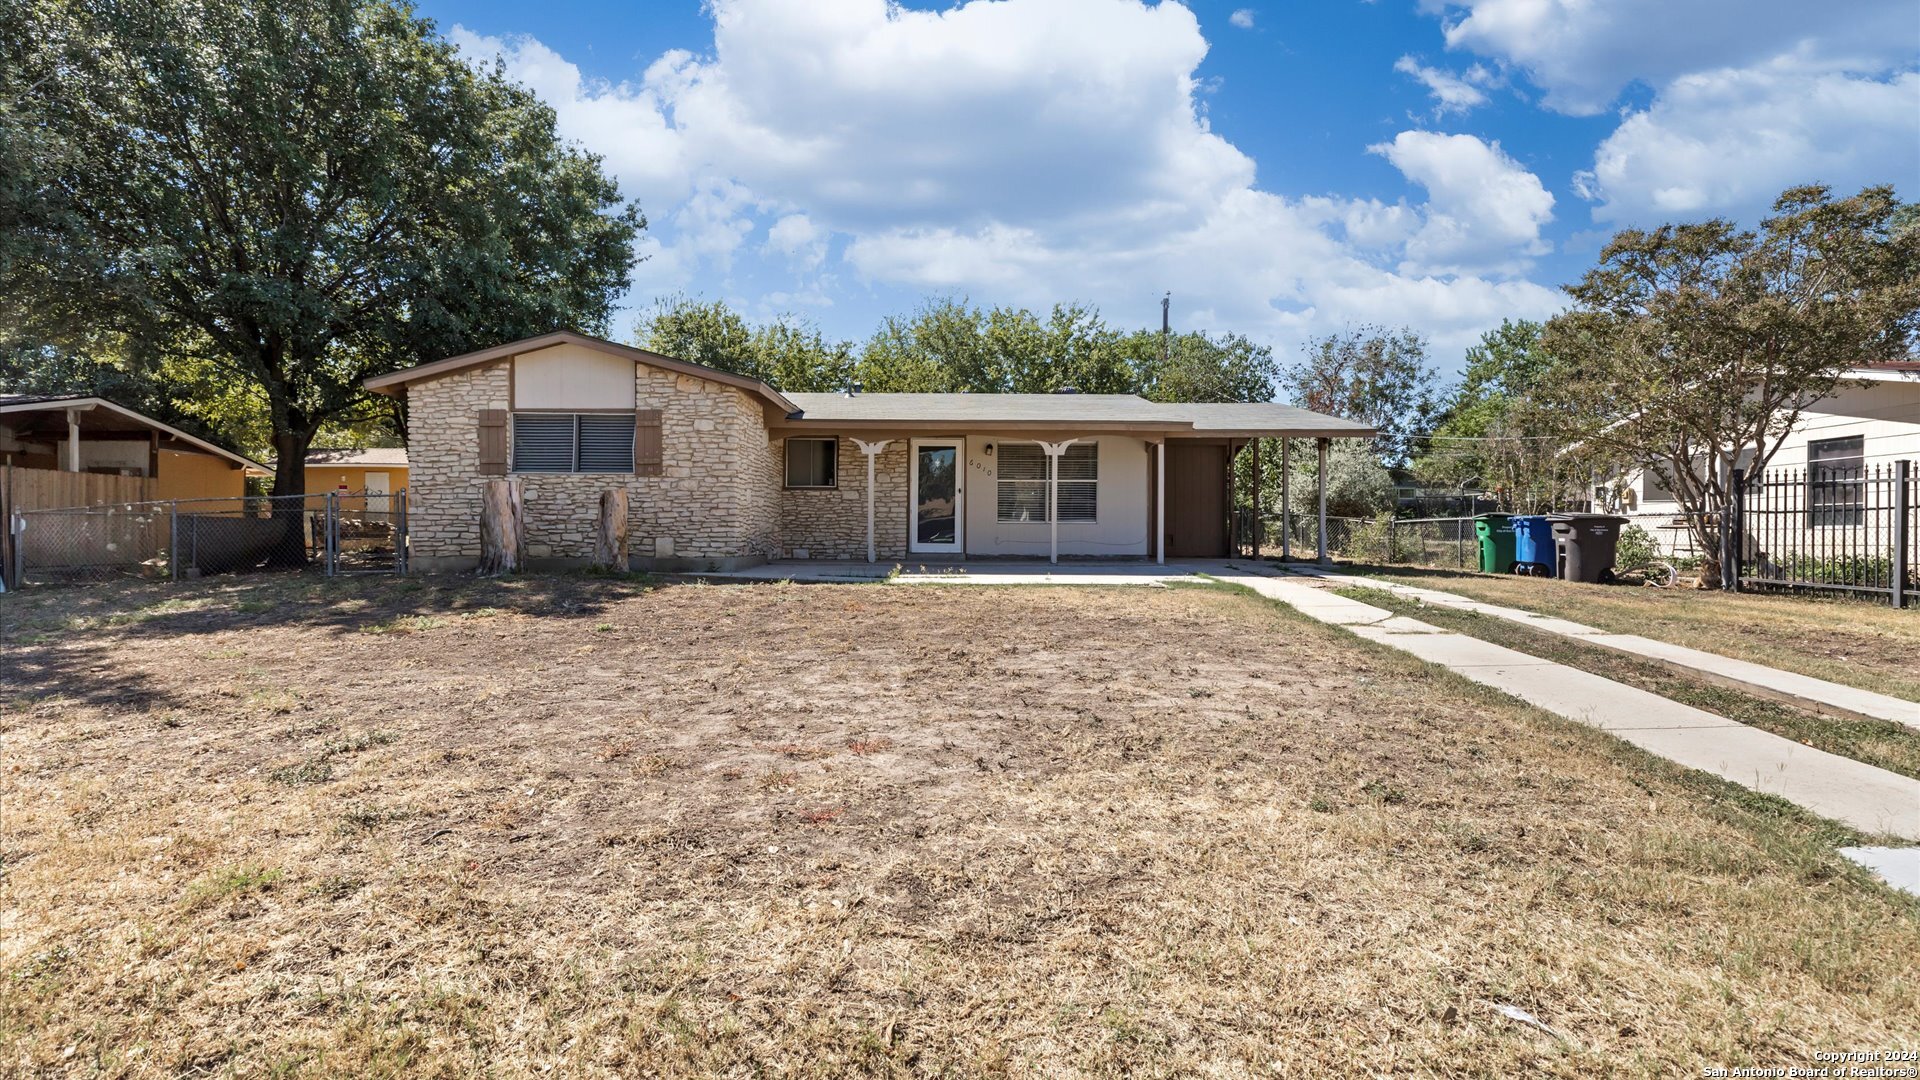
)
(503, 528)
(610, 539)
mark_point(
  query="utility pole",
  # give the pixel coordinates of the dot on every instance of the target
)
(1166, 327)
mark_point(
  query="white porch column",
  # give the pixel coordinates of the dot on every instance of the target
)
(1286, 504)
(1160, 503)
(1320, 493)
(1053, 450)
(73, 440)
(872, 451)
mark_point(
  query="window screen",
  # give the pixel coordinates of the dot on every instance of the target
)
(811, 462)
(573, 442)
(542, 442)
(1022, 482)
(1836, 479)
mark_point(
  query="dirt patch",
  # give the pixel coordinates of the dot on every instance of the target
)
(439, 827)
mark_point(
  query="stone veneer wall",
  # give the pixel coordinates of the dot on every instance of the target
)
(717, 497)
(831, 523)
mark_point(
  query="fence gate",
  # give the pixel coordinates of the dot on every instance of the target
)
(189, 538)
(1853, 528)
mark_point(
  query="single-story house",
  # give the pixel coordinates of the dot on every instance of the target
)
(1871, 421)
(374, 470)
(92, 436)
(724, 471)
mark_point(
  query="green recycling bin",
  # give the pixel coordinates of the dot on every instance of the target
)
(1496, 542)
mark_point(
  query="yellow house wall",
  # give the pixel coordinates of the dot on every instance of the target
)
(186, 475)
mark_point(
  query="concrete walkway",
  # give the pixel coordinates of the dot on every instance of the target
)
(1871, 800)
(1804, 691)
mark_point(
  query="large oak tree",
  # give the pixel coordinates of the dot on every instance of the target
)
(295, 195)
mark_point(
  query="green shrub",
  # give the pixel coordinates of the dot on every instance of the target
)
(1637, 550)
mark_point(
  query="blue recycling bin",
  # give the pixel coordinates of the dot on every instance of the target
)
(1533, 550)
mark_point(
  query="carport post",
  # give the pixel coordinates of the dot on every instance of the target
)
(1053, 450)
(871, 450)
(1160, 503)
(1286, 504)
(1320, 495)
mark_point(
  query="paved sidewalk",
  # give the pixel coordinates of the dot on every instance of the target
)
(1872, 800)
(1817, 695)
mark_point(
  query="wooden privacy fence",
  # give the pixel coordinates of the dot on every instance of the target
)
(1852, 529)
(43, 489)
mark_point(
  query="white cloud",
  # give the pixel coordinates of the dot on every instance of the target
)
(799, 239)
(1242, 18)
(1484, 210)
(1451, 93)
(1584, 52)
(1734, 139)
(1024, 151)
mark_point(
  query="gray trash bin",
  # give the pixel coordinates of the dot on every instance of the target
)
(1584, 545)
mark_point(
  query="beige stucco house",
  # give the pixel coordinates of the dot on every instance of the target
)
(725, 471)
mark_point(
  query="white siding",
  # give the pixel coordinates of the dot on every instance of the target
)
(564, 378)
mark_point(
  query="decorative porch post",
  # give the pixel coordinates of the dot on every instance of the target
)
(871, 450)
(73, 440)
(1053, 451)
(1160, 503)
(1286, 503)
(1320, 493)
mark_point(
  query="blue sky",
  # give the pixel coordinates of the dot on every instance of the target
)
(1286, 169)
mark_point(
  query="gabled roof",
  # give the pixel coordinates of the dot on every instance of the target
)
(393, 382)
(16, 404)
(1087, 412)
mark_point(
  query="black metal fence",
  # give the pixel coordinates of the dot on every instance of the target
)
(336, 532)
(1853, 529)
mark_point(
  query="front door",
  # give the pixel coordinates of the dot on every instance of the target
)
(935, 494)
(1196, 500)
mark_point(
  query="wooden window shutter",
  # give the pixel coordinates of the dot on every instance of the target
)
(493, 442)
(646, 442)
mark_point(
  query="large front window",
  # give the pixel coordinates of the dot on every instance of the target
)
(1022, 482)
(573, 442)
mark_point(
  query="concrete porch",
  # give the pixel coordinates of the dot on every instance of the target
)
(976, 572)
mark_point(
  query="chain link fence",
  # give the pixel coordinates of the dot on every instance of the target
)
(1439, 542)
(335, 532)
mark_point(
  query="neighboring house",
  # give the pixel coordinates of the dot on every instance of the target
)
(91, 436)
(364, 479)
(723, 470)
(1872, 420)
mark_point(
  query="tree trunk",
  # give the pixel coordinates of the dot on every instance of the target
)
(290, 480)
(610, 541)
(502, 528)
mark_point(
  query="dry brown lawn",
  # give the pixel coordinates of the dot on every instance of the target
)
(584, 828)
(1854, 642)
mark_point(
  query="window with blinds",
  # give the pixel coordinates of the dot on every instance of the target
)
(1022, 482)
(1836, 481)
(573, 442)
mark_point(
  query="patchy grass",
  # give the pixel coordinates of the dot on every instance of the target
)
(1881, 743)
(1852, 642)
(861, 830)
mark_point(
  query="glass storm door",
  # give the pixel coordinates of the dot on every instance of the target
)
(938, 515)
